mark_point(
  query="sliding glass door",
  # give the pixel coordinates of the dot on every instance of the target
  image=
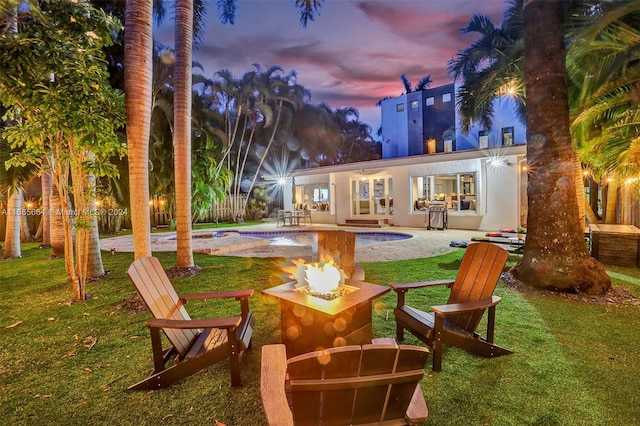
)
(372, 197)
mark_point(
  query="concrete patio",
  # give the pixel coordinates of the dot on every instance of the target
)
(424, 243)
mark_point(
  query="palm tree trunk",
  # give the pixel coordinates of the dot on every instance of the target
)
(12, 233)
(266, 152)
(182, 131)
(612, 201)
(138, 86)
(593, 197)
(95, 267)
(45, 182)
(555, 255)
(578, 177)
(55, 222)
(25, 232)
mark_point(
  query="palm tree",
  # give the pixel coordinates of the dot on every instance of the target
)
(606, 74)
(138, 73)
(422, 84)
(555, 256)
(491, 67)
(182, 131)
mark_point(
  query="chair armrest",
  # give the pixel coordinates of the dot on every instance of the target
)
(457, 308)
(403, 287)
(231, 294)
(417, 412)
(273, 371)
(228, 322)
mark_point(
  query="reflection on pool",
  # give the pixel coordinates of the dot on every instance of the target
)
(306, 238)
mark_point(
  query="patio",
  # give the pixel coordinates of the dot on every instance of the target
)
(424, 243)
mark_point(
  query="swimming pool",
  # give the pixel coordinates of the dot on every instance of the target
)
(306, 238)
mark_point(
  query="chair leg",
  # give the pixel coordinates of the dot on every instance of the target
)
(234, 359)
(399, 332)
(437, 344)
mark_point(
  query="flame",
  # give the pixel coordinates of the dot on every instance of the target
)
(322, 277)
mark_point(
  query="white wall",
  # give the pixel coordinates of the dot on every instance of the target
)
(497, 196)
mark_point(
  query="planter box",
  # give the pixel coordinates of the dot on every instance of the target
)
(615, 244)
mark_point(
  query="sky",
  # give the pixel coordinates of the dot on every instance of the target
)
(351, 55)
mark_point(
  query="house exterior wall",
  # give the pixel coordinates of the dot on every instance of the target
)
(498, 188)
(440, 117)
(416, 122)
(504, 117)
(395, 141)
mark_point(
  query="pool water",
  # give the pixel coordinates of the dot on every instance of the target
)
(306, 238)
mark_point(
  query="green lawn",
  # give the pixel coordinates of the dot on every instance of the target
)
(71, 363)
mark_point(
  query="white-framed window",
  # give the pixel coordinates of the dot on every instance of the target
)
(429, 101)
(415, 104)
(446, 97)
(507, 135)
(314, 197)
(458, 192)
(483, 139)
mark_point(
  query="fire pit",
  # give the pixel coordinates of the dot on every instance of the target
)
(312, 319)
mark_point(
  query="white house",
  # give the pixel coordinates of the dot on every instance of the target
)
(479, 178)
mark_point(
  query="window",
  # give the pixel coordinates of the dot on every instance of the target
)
(429, 101)
(483, 139)
(448, 143)
(446, 97)
(313, 196)
(415, 104)
(455, 191)
(507, 136)
(400, 107)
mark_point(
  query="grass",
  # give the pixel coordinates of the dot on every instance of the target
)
(70, 363)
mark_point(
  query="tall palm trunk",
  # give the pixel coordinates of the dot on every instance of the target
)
(612, 201)
(25, 232)
(182, 131)
(578, 178)
(55, 222)
(12, 233)
(555, 254)
(95, 267)
(45, 182)
(137, 87)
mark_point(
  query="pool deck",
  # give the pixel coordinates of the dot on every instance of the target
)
(424, 243)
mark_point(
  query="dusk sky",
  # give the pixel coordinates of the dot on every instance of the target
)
(353, 54)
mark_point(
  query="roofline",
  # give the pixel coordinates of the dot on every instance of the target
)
(416, 159)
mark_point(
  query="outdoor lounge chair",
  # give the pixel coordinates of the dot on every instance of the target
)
(341, 245)
(372, 384)
(196, 344)
(455, 323)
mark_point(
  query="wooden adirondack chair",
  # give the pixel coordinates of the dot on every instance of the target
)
(195, 344)
(369, 384)
(341, 245)
(455, 323)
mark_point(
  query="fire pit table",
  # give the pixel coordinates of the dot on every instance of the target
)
(309, 322)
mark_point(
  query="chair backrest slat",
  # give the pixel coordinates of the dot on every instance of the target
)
(157, 292)
(340, 245)
(353, 384)
(480, 270)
